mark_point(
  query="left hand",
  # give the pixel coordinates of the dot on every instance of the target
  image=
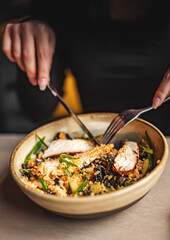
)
(163, 90)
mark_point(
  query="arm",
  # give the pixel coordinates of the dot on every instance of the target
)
(31, 45)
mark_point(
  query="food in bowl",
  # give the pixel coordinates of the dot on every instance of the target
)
(76, 167)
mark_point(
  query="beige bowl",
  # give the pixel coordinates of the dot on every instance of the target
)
(87, 207)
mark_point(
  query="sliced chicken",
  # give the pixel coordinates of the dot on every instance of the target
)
(45, 168)
(69, 146)
(94, 153)
(127, 157)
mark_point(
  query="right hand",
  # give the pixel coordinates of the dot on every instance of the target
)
(31, 45)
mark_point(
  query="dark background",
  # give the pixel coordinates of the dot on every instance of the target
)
(12, 117)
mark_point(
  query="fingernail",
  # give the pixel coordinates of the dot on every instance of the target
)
(42, 84)
(156, 102)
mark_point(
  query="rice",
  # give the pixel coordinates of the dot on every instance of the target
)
(89, 173)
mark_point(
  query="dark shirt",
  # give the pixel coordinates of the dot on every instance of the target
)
(117, 64)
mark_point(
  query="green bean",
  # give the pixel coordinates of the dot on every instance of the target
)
(35, 149)
(147, 139)
(67, 171)
(67, 156)
(82, 186)
(42, 141)
(44, 184)
(62, 159)
(147, 150)
(25, 170)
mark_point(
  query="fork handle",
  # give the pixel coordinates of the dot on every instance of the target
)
(143, 110)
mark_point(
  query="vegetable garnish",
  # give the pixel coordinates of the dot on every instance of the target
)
(35, 149)
(147, 150)
(42, 141)
(90, 173)
(150, 157)
(150, 164)
(44, 184)
(82, 186)
(62, 159)
(146, 147)
(25, 170)
(89, 138)
(128, 182)
(85, 138)
(67, 171)
(147, 139)
(42, 181)
(67, 156)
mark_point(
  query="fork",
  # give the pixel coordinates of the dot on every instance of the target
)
(79, 122)
(122, 119)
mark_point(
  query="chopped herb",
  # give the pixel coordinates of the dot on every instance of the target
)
(68, 163)
(67, 171)
(82, 186)
(35, 149)
(85, 138)
(44, 184)
(150, 163)
(147, 139)
(67, 156)
(42, 141)
(109, 189)
(129, 182)
(89, 138)
(62, 159)
(147, 150)
(25, 170)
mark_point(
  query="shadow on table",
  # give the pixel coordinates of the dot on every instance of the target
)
(12, 195)
(25, 214)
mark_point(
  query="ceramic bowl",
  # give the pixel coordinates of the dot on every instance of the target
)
(87, 207)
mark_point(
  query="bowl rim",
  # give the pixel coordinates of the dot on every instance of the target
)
(87, 199)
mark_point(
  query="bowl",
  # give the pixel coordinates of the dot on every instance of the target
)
(89, 207)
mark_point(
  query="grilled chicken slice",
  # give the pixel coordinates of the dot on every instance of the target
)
(46, 168)
(127, 157)
(92, 154)
(69, 146)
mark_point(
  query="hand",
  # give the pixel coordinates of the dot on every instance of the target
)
(163, 90)
(31, 45)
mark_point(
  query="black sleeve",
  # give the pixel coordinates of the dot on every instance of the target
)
(39, 105)
(60, 12)
(64, 16)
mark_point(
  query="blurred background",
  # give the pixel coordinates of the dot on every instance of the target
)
(12, 119)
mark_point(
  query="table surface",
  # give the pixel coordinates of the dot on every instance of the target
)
(20, 218)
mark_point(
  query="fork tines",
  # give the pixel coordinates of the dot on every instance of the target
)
(113, 128)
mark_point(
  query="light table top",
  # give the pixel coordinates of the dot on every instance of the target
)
(20, 218)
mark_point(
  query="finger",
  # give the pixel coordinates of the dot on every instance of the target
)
(44, 59)
(52, 41)
(28, 53)
(16, 46)
(7, 42)
(163, 90)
